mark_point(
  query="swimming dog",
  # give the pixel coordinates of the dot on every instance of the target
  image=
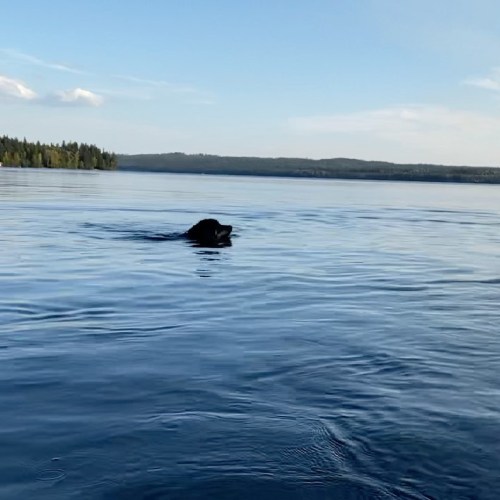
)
(210, 233)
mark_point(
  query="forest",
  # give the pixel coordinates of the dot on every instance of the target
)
(21, 153)
(17, 153)
(334, 168)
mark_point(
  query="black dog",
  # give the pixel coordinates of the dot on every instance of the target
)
(210, 233)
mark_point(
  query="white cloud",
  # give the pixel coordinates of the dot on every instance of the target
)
(26, 58)
(398, 121)
(412, 134)
(490, 82)
(15, 88)
(78, 97)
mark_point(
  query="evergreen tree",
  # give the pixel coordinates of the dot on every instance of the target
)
(16, 153)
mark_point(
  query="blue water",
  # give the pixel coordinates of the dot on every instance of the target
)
(345, 346)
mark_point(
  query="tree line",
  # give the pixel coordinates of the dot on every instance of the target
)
(333, 168)
(17, 153)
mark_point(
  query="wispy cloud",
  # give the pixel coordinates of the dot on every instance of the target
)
(75, 97)
(413, 133)
(489, 82)
(121, 93)
(33, 60)
(16, 88)
(170, 87)
(398, 122)
(142, 88)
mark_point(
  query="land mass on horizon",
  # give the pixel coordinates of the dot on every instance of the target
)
(333, 168)
(21, 153)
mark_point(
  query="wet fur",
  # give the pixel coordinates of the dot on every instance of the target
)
(210, 233)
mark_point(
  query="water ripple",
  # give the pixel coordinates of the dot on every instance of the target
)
(345, 346)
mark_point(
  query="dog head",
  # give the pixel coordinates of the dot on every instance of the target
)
(209, 232)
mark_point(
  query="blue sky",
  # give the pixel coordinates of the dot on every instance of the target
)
(396, 80)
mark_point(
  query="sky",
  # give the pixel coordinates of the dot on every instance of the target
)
(409, 81)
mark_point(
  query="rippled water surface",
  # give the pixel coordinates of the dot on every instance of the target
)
(345, 346)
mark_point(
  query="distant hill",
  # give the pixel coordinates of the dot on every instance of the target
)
(336, 168)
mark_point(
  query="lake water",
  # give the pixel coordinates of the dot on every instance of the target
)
(347, 345)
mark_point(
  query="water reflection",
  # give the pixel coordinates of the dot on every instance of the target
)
(209, 262)
(29, 183)
(220, 244)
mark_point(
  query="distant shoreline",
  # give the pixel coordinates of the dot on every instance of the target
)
(336, 168)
